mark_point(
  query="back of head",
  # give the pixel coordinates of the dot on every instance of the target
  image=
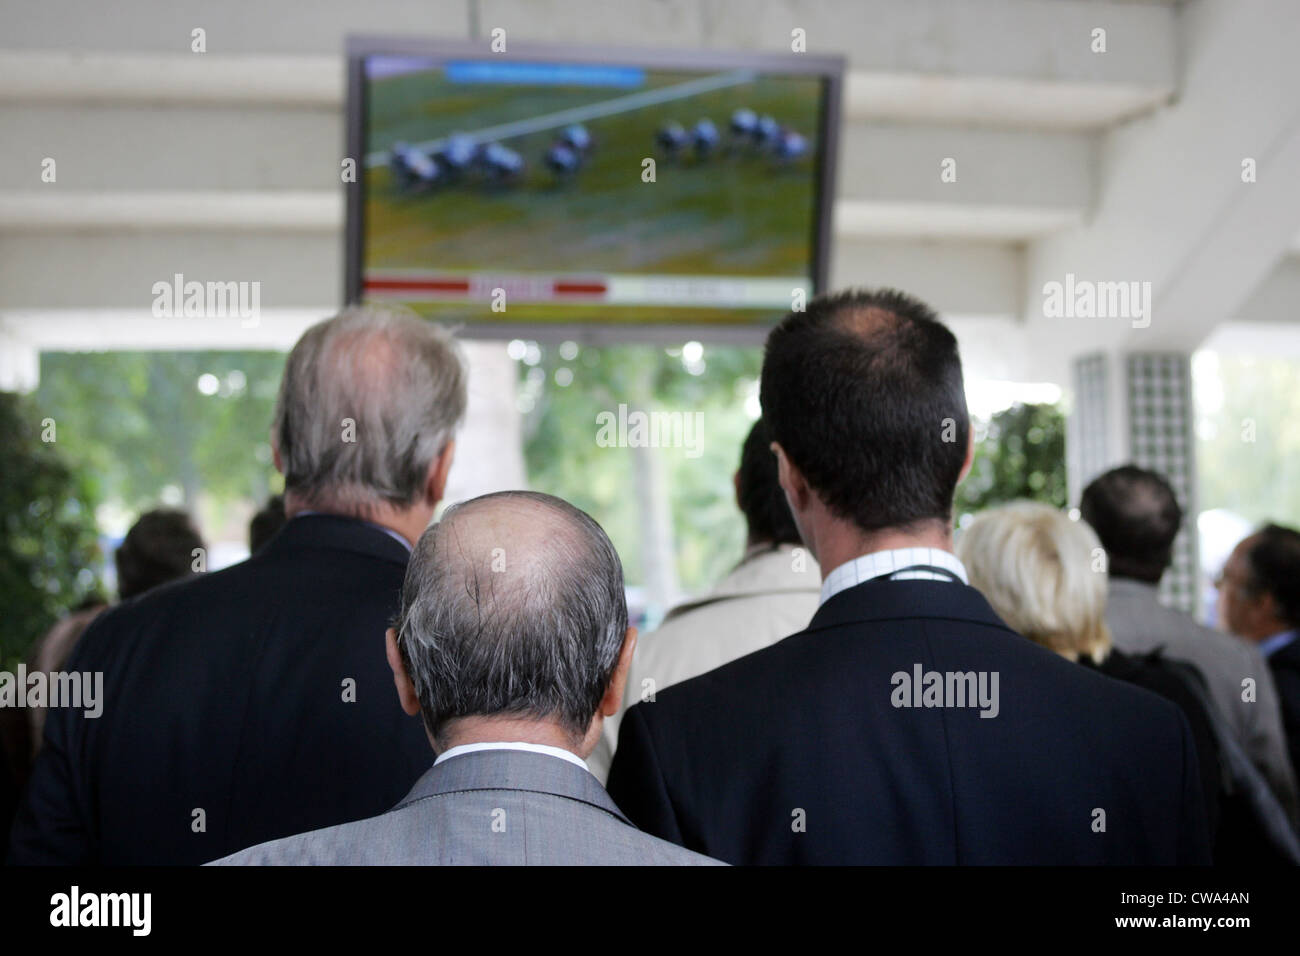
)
(1273, 567)
(759, 494)
(1137, 517)
(1036, 568)
(513, 606)
(864, 392)
(158, 548)
(368, 400)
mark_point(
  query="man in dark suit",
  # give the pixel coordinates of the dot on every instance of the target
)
(1259, 600)
(256, 702)
(907, 724)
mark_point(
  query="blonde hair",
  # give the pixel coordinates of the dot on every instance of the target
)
(1044, 574)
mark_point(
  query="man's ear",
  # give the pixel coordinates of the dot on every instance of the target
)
(613, 699)
(970, 452)
(435, 483)
(791, 480)
(405, 689)
(275, 452)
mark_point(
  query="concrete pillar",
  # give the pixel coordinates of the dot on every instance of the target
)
(20, 365)
(1136, 407)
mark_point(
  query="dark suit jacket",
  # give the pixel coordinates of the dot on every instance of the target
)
(225, 694)
(1285, 667)
(797, 754)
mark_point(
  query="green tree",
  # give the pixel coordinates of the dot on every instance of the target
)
(49, 552)
(562, 390)
(1019, 453)
(144, 420)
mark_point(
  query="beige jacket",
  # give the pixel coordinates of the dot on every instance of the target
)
(771, 594)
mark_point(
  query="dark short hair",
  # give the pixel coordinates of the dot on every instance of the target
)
(758, 492)
(864, 392)
(1273, 567)
(158, 548)
(264, 525)
(1137, 517)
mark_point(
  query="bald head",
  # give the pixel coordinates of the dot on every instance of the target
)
(513, 606)
(524, 540)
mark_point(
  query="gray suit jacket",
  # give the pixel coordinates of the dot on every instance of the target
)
(1139, 623)
(493, 807)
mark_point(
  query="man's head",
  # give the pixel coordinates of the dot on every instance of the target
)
(1259, 589)
(513, 612)
(758, 492)
(159, 548)
(863, 396)
(1136, 515)
(366, 414)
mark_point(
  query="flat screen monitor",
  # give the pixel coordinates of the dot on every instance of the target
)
(554, 190)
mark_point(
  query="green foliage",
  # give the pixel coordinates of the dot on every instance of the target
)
(1019, 453)
(563, 457)
(49, 550)
(139, 421)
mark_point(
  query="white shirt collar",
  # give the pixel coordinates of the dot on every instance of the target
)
(512, 745)
(878, 564)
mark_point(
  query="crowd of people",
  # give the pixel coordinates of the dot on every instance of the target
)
(865, 687)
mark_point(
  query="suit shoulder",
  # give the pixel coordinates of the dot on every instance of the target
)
(136, 618)
(600, 837)
(330, 846)
(662, 853)
(1135, 712)
(743, 673)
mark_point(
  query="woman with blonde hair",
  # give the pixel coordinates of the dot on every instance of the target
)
(1045, 576)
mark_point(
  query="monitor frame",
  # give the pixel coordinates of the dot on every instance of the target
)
(828, 68)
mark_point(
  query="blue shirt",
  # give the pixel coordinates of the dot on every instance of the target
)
(1277, 642)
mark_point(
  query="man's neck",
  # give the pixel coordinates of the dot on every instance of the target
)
(839, 542)
(498, 730)
(410, 523)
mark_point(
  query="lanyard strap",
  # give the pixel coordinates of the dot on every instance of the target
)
(929, 568)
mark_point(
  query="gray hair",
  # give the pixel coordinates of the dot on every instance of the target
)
(400, 382)
(526, 627)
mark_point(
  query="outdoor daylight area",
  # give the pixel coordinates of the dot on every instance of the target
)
(796, 434)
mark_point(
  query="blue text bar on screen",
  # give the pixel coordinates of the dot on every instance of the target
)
(545, 74)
